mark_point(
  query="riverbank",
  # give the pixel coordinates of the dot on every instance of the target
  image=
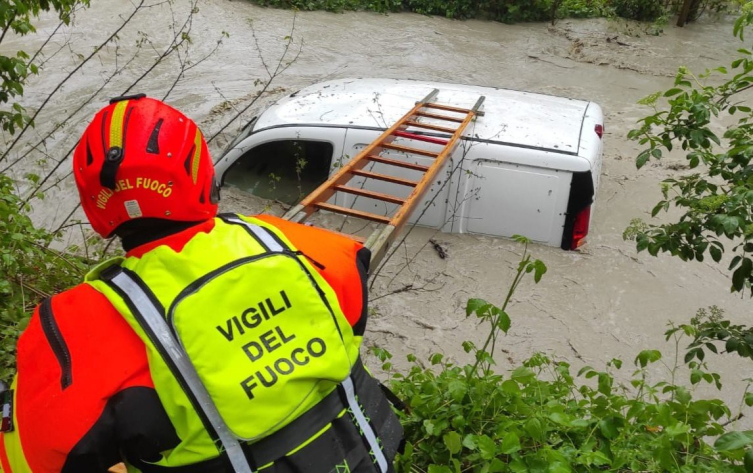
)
(518, 11)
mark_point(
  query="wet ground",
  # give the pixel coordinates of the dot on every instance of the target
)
(602, 302)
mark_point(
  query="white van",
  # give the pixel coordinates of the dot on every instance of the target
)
(529, 165)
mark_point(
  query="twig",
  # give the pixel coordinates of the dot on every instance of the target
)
(67, 119)
(184, 68)
(39, 185)
(734, 419)
(67, 77)
(278, 70)
(65, 220)
(387, 258)
(49, 38)
(173, 46)
(8, 25)
(36, 291)
(57, 254)
(408, 288)
(548, 62)
(156, 62)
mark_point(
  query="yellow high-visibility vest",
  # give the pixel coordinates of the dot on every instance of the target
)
(262, 328)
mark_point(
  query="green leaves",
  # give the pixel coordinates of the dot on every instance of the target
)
(734, 441)
(509, 12)
(715, 203)
(716, 253)
(748, 461)
(742, 275)
(647, 356)
(479, 306)
(536, 418)
(672, 92)
(439, 469)
(486, 447)
(452, 441)
(510, 444)
(15, 68)
(28, 271)
(539, 269)
(643, 158)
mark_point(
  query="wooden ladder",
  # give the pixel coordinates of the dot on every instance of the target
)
(381, 239)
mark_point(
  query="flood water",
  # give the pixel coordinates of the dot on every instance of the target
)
(602, 302)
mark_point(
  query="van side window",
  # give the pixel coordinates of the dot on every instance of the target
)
(285, 170)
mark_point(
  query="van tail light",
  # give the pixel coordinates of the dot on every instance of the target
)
(580, 228)
(599, 129)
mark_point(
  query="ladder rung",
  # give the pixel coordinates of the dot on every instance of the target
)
(352, 212)
(371, 194)
(395, 162)
(447, 108)
(429, 126)
(384, 177)
(408, 149)
(427, 139)
(439, 117)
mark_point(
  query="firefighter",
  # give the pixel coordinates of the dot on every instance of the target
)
(218, 343)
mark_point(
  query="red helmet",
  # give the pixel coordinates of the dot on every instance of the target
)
(140, 158)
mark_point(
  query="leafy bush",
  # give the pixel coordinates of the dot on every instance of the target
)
(337, 6)
(506, 11)
(446, 8)
(710, 331)
(540, 419)
(29, 271)
(642, 10)
(715, 201)
(583, 9)
(511, 11)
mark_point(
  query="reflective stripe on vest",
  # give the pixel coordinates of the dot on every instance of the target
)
(149, 315)
(156, 325)
(363, 424)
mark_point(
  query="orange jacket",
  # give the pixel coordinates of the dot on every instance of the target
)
(84, 394)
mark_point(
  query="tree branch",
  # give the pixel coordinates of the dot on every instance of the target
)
(75, 70)
(278, 70)
(67, 119)
(8, 25)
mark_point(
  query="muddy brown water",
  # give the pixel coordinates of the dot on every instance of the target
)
(602, 302)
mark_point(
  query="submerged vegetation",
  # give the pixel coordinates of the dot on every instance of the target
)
(513, 11)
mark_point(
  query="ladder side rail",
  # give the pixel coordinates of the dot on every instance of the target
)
(380, 242)
(418, 192)
(324, 192)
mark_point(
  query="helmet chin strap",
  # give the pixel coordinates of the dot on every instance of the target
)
(214, 193)
(113, 158)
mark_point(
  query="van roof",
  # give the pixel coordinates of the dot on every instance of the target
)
(512, 117)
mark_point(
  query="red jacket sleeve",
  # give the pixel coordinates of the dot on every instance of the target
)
(76, 354)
